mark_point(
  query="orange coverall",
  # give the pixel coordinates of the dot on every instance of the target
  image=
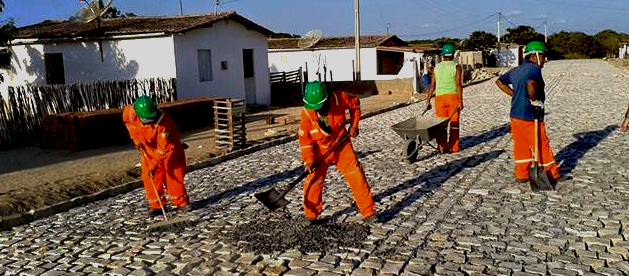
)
(523, 144)
(445, 106)
(315, 142)
(164, 152)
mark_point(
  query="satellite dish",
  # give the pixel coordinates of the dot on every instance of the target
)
(94, 10)
(309, 39)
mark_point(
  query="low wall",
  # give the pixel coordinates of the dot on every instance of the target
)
(103, 128)
(371, 87)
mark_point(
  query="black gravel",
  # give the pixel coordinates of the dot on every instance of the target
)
(279, 234)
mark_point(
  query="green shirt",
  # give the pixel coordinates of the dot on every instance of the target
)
(445, 76)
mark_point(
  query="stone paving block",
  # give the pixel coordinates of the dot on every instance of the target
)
(608, 271)
(363, 272)
(274, 270)
(120, 271)
(300, 272)
(562, 272)
(593, 263)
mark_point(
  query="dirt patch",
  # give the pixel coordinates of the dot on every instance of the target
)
(286, 232)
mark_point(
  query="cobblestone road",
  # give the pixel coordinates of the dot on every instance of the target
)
(454, 214)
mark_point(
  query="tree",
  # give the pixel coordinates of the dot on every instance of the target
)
(114, 12)
(284, 35)
(610, 41)
(480, 41)
(522, 35)
(574, 45)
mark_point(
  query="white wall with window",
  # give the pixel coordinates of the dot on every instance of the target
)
(35, 63)
(375, 64)
(225, 60)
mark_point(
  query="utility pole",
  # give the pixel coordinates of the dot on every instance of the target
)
(180, 7)
(357, 37)
(498, 23)
(216, 4)
(545, 32)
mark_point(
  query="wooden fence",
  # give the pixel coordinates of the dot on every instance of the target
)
(286, 87)
(22, 113)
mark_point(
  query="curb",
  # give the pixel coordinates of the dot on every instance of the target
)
(7, 223)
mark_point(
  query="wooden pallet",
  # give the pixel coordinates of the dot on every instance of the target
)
(229, 124)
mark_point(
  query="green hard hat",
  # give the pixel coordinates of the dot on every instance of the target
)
(534, 47)
(448, 50)
(315, 95)
(145, 107)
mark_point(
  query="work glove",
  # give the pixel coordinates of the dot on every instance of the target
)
(353, 132)
(537, 107)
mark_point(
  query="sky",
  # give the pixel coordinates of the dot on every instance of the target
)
(409, 19)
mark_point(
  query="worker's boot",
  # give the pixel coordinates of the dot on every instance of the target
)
(371, 220)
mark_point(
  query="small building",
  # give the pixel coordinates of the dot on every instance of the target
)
(508, 55)
(622, 50)
(471, 58)
(382, 58)
(220, 54)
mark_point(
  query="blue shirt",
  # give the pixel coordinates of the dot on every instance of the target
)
(520, 104)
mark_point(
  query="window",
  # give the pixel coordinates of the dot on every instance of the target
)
(5, 58)
(55, 73)
(389, 63)
(204, 57)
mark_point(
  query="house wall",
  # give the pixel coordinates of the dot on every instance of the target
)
(226, 40)
(338, 61)
(507, 57)
(122, 59)
(622, 51)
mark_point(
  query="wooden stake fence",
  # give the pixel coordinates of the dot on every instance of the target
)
(22, 113)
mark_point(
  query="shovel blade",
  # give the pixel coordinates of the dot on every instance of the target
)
(539, 179)
(272, 199)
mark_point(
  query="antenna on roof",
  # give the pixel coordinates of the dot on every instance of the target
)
(309, 39)
(94, 10)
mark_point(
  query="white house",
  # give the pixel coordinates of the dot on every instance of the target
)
(382, 57)
(622, 50)
(221, 54)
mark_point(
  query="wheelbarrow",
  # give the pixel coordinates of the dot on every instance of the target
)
(418, 132)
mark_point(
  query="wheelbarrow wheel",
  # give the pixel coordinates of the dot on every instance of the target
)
(410, 151)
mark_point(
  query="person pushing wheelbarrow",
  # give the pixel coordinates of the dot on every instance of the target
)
(447, 85)
(530, 143)
(322, 128)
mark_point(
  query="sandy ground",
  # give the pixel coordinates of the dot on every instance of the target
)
(31, 178)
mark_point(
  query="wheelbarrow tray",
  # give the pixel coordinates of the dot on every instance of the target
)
(420, 128)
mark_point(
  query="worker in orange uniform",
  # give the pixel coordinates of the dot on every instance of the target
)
(527, 101)
(156, 135)
(447, 85)
(322, 125)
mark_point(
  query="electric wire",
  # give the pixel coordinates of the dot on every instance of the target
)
(452, 29)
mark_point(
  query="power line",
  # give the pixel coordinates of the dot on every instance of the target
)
(453, 29)
(509, 20)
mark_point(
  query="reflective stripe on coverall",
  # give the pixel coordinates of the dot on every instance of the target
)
(165, 152)
(445, 106)
(315, 142)
(523, 144)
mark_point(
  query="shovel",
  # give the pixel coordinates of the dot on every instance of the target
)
(274, 199)
(537, 175)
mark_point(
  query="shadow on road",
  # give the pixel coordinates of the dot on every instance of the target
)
(260, 183)
(425, 183)
(569, 156)
(472, 141)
